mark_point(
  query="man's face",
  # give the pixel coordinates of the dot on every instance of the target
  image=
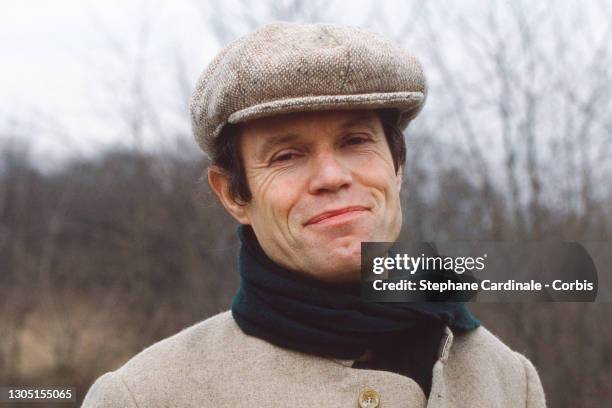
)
(321, 183)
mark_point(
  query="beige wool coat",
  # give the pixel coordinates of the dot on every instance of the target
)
(214, 364)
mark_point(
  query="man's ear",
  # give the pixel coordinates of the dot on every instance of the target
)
(219, 182)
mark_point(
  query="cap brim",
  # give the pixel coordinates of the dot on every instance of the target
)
(409, 103)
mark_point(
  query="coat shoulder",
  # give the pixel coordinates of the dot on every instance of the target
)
(109, 390)
(189, 358)
(480, 355)
(481, 341)
(200, 349)
(480, 347)
(191, 343)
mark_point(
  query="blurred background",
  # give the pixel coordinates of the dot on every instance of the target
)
(110, 241)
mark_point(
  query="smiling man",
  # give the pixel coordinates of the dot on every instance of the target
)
(303, 125)
(320, 183)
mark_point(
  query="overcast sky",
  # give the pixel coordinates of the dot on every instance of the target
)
(67, 65)
(63, 59)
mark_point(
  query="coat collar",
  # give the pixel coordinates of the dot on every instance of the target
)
(445, 344)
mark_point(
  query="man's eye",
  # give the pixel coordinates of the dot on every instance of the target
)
(356, 140)
(284, 157)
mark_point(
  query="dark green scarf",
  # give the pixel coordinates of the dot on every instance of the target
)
(300, 313)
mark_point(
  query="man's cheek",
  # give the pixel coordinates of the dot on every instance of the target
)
(279, 205)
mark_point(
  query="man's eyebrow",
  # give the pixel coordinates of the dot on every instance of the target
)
(357, 121)
(275, 141)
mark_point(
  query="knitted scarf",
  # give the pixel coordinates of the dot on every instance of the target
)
(301, 313)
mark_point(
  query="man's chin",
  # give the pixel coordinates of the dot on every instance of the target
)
(343, 261)
(339, 257)
(339, 273)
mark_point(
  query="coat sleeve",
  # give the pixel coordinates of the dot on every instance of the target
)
(535, 392)
(110, 391)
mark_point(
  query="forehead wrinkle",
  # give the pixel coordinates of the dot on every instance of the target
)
(368, 121)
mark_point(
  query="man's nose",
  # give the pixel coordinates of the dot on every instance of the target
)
(328, 174)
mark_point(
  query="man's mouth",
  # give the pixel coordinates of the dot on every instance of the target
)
(334, 213)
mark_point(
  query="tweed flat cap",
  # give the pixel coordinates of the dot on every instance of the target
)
(291, 67)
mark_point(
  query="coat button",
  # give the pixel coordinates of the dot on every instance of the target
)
(369, 399)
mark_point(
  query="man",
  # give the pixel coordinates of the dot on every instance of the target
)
(303, 127)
